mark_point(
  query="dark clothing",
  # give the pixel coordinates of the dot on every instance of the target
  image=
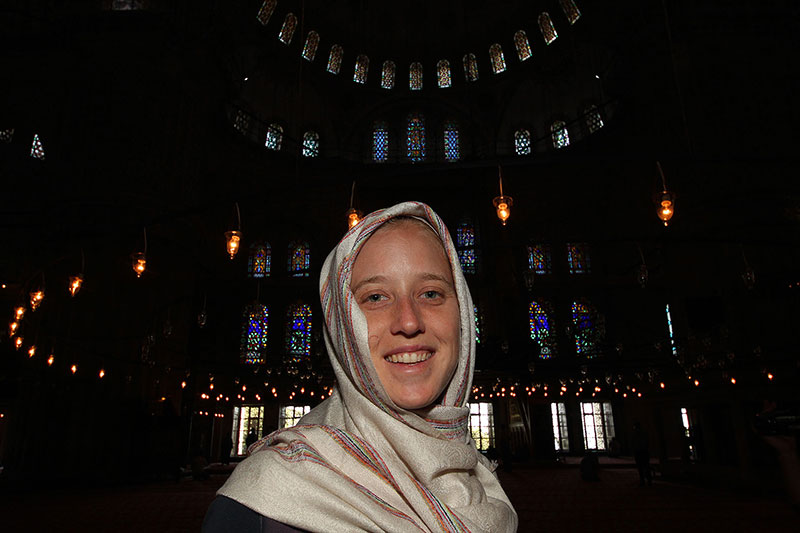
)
(641, 453)
(229, 516)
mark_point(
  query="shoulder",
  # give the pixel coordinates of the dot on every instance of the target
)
(227, 515)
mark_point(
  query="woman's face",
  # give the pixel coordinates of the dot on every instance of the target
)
(403, 284)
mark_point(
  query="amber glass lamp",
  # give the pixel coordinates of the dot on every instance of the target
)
(502, 203)
(233, 238)
(667, 204)
(75, 283)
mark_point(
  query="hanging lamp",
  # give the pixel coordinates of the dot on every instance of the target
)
(139, 259)
(76, 281)
(353, 215)
(234, 237)
(667, 207)
(502, 203)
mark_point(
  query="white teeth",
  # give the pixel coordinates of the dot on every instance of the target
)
(408, 357)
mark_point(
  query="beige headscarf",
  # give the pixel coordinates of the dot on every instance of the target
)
(358, 462)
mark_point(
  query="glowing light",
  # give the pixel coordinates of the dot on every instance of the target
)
(667, 208)
(624, 394)
(183, 384)
(36, 299)
(73, 369)
(503, 206)
(18, 343)
(353, 217)
(639, 394)
(12, 328)
(696, 383)
(50, 360)
(233, 238)
(75, 283)
(102, 373)
(19, 312)
(211, 386)
(662, 385)
(770, 376)
(31, 351)
(733, 381)
(139, 263)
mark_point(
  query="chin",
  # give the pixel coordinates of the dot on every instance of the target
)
(415, 401)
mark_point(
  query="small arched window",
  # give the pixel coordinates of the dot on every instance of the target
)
(310, 48)
(259, 261)
(274, 136)
(388, 74)
(298, 333)
(415, 137)
(478, 324)
(594, 121)
(415, 76)
(335, 59)
(540, 259)
(443, 73)
(470, 67)
(265, 12)
(522, 142)
(255, 327)
(542, 328)
(380, 142)
(546, 26)
(310, 144)
(498, 59)
(362, 66)
(466, 242)
(571, 11)
(523, 45)
(452, 144)
(558, 131)
(299, 262)
(37, 149)
(579, 260)
(287, 30)
(588, 332)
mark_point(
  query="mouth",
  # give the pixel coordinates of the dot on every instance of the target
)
(408, 358)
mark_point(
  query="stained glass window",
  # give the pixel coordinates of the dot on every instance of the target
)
(310, 144)
(478, 323)
(465, 245)
(452, 145)
(6, 135)
(241, 122)
(290, 415)
(274, 136)
(671, 333)
(558, 131)
(523, 45)
(594, 121)
(560, 427)
(299, 259)
(498, 60)
(522, 142)
(587, 331)
(298, 333)
(579, 258)
(310, 48)
(543, 331)
(266, 10)
(380, 142)
(598, 425)
(415, 137)
(360, 72)
(37, 150)
(254, 334)
(546, 26)
(388, 74)
(571, 11)
(540, 259)
(443, 73)
(415, 76)
(260, 260)
(470, 67)
(287, 30)
(335, 59)
(481, 424)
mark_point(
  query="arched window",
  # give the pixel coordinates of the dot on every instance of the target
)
(287, 30)
(559, 134)
(241, 122)
(415, 76)
(266, 11)
(546, 26)
(362, 66)
(335, 59)
(6, 135)
(578, 258)
(254, 334)
(37, 149)
(542, 328)
(310, 48)
(380, 142)
(298, 333)
(452, 144)
(299, 262)
(478, 324)
(310, 144)
(571, 11)
(415, 137)
(274, 136)
(594, 121)
(540, 259)
(388, 74)
(522, 142)
(466, 247)
(587, 331)
(443, 73)
(470, 67)
(523, 45)
(498, 60)
(260, 260)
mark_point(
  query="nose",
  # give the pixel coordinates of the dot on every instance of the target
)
(407, 319)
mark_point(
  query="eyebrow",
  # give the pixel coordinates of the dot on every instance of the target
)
(427, 276)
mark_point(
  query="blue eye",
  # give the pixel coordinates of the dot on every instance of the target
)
(373, 298)
(431, 294)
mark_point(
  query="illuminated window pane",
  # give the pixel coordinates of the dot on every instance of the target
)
(254, 334)
(241, 122)
(470, 67)
(546, 26)
(245, 419)
(360, 72)
(260, 260)
(274, 137)
(287, 30)
(570, 10)
(598, 425)
(540, 259)
(465, 246)
(298, 333)
(443, 73)
(478, 323)
(290, 415)
(542, 328)
(523, 45)
(415, 76)
(594, 121)
(452, 148)
(415, 137)
(579, 258)
(559, 133)
(380, 142)
(6, 135)
(37, 150)
(560, 427)
(335, 59)
(522, 142)
(310, 144)
(498, 60)
(388, 74)
(481, 425)
(310, 48)
(587, 332)
(266, 10)
(671, 332)
(299, 260)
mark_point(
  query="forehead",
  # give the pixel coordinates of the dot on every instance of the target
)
(405, 236)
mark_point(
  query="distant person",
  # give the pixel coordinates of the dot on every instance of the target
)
(252, 437)
(590, 467)
(641, 454)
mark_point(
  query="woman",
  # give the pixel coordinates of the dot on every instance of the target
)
(390, 449)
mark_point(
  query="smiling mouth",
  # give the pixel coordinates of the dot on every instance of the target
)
(408, 358)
